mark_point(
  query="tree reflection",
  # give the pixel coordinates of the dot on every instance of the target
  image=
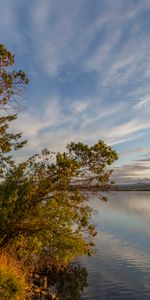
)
(66, 284)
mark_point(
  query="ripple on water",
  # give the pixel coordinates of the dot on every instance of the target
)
(120, 267)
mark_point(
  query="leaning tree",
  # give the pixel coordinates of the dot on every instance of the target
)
(45, 217)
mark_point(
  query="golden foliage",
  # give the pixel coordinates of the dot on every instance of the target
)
(13, 284)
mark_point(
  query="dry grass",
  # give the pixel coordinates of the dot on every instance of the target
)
(13, 284)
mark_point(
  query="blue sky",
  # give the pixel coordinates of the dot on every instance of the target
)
(89, 68)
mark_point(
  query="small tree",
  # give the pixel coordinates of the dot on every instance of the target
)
(45, 218)
(43, 203)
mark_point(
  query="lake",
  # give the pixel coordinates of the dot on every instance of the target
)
(120, 267)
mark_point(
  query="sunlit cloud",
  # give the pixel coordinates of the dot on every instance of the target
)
(88, 66)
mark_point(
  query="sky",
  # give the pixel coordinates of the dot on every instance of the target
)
(88, 63)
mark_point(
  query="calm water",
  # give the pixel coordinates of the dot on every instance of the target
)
(120, 268)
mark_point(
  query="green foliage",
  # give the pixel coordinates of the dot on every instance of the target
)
(44, 213)
(45, 218)
(11, 87)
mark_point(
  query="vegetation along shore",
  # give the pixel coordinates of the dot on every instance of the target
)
(45, 219)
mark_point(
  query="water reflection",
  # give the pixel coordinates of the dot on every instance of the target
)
(120, 268)
(67, 284)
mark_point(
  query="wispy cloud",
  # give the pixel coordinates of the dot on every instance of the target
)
(143, 103)
(53, 127)
(91, 65)
(144, 160)
(134, 172)
(32, 122)
(133, 150)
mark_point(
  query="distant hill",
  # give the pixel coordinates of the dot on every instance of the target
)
(116, 187)
(131, 187)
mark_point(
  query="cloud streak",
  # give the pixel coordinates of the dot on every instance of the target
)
(89, 63)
